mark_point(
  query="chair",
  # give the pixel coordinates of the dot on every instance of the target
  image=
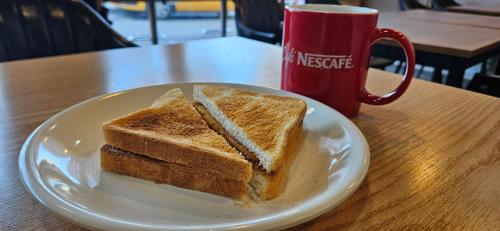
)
(260, 19)
(442, 4)
(263, 19)
(410, 5)
(486, 84)
(39, 28)
(98, 6)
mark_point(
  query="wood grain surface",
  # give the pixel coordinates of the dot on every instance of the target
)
(483, 9)
(435, 153)
(442, 38)
(472, 20)
(475, 2)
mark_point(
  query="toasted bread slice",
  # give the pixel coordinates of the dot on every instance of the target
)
(131, 164)
(171, 130)
(264, 185)
(261, 123)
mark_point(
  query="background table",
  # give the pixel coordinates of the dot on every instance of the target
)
(468, 20)
(441, 45)
(472, 20)
(435, 153)
(483, 9)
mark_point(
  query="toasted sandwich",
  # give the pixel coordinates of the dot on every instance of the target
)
(264, 128)
(171, 143)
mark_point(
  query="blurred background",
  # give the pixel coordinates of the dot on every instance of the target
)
(178, 21)
(185, 20)
(40, 28)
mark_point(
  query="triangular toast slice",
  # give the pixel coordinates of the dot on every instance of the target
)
(171, 130)
(263, 185)
(263, 124)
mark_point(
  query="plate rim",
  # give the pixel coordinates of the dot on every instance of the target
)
(86, 218)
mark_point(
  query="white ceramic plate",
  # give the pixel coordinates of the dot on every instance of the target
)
(59, 165)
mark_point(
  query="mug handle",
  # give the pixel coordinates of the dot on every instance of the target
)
(403, 41)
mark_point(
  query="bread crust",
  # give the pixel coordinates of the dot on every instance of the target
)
(275, 182)
(131, 164)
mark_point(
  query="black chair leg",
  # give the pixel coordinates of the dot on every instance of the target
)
(398, 68)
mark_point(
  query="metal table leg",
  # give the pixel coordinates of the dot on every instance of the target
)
(456, 76)
(437, 75)
(223, 4)
(152, 21)
(497, 70)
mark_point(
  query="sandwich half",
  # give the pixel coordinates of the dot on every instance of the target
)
(264, 128)
(171, 143)
(131, 164)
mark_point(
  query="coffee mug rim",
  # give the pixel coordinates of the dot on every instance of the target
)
(332, 9)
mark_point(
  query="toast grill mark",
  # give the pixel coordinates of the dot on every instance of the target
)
(318, 60)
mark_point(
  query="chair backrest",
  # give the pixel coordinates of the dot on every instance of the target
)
(411, 4)
(38, 28)
(259, 19)
(263, 19)
(486, 84)
(442, 4)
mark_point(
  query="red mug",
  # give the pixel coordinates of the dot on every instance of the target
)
(326, 53)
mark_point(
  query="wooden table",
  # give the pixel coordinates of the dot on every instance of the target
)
(435, 153)
(483, 9)
(441, 45)
(472, 20)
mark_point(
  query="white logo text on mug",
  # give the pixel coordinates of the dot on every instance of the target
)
(318, 60)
